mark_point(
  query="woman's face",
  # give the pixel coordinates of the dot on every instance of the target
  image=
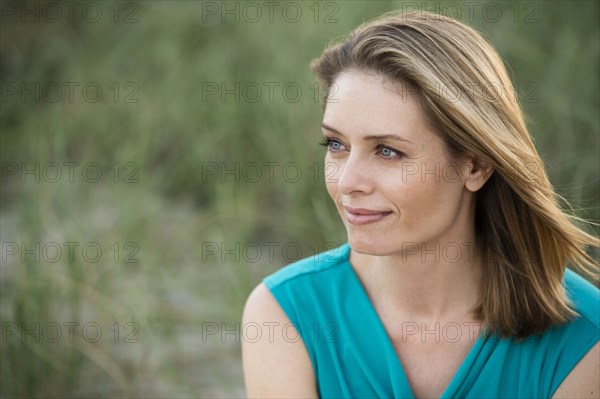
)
(417, 194)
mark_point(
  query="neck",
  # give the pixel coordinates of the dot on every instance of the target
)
(428, 282)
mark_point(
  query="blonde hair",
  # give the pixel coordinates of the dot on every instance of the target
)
(524, 236)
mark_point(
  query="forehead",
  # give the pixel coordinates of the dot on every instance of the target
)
(363, 104)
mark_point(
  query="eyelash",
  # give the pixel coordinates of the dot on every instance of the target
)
(326, 141)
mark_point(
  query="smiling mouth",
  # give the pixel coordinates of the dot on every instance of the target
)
(358, 219)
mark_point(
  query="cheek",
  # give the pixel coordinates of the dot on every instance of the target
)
(330, 177)
(331, 189)
(428, 196)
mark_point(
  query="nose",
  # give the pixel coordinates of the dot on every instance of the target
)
(354, 176)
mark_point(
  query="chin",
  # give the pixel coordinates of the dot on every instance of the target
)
(371, 245)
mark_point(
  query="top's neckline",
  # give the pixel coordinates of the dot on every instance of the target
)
(461, 372)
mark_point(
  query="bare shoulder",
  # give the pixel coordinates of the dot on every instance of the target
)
(584, 380)
(276, 364)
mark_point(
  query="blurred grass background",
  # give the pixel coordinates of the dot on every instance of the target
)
(173, 210)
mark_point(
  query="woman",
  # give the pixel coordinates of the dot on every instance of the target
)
(453, 282)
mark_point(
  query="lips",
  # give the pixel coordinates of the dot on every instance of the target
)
(363, 216)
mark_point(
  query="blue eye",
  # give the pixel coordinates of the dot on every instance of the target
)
(330, 144)
(387, 152)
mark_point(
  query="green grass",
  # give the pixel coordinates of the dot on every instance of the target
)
(174, 210)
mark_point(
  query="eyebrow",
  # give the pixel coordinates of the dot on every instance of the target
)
(371, 137)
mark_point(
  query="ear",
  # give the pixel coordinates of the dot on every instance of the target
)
(476, 172)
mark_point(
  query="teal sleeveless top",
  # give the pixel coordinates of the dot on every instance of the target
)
(353, 357)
